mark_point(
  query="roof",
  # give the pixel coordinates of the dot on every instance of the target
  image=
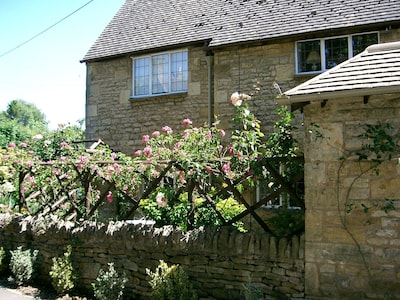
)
(152, 24)
(374, 71)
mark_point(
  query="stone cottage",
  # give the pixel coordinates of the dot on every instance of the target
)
(352, 196)
(158, 62)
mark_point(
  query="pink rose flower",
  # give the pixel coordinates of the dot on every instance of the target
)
(11, 145)
(226, 167)
(167, 129)
(109, 197)
(145, 139)
(147, 151)
(186, 122)
(155, 134)
(23, 145)
(222, 132)
(138, 152)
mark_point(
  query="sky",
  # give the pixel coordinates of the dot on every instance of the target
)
(47, 71)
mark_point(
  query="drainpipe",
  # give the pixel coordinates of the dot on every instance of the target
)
(210, 66)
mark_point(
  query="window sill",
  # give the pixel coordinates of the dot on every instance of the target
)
(158, 96)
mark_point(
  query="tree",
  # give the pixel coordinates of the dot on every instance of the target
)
(26, 114)
(20, 121)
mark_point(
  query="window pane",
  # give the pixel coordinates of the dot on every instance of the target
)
(308, 56)
(142, 76)
(360, 42)
(160, 66)
(336, 51)
(179, 71)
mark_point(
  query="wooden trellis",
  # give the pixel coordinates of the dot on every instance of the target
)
(91, 184)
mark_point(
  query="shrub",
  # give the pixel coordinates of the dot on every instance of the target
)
(171, 283)
(22, 264)
(109, 285)
(62, 275)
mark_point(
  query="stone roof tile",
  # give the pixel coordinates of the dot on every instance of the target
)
(150, 24)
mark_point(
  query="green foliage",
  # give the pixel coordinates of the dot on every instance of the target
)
(109, 284)
(26, 114)
(252, 292)
(166, 208)
(286, 222)
(62, 273)
(170, 283)
(20, 122)
(22, 264)
(381, 145)
(280, 142)
(3, 266)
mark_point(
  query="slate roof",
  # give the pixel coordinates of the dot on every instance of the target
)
(374, 71)
(150, 24)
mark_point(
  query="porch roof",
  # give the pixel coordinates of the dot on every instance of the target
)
(374, 71)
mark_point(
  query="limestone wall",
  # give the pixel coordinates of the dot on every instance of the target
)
(352, 244)
(218, 262)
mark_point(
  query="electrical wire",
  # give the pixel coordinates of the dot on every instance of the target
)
(47, 29)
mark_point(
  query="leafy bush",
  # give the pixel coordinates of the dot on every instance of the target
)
(171, 283)
(22, 264)
(109, 285)
(62, 273)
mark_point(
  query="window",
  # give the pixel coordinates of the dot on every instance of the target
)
(321, 54)
(159, 74)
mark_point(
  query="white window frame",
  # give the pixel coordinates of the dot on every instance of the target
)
(269, 204)
(150, 56)
(322, 50)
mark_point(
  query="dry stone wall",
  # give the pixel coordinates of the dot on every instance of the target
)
(219, 262)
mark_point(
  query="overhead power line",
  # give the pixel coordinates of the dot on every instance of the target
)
(47, 29)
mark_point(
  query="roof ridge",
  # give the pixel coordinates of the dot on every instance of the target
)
(383, 47)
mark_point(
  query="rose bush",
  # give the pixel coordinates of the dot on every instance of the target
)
(187, 177)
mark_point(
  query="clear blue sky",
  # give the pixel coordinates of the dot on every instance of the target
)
(47, 71)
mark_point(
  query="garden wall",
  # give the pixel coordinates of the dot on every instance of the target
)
(218, 261)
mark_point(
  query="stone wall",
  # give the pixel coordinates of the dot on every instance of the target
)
(352, 244)
(218, 262)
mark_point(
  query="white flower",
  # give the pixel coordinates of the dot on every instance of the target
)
(236, 100)
(37, 137)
